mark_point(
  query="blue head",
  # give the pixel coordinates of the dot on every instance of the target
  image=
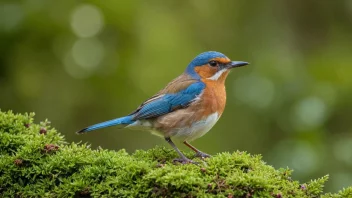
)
(211, 65)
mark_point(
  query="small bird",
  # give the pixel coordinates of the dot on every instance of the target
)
(187, 108)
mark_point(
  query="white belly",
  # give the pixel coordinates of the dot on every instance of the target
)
(196, 130)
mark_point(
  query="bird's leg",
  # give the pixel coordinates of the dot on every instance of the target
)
(198, 152)
(183, 159)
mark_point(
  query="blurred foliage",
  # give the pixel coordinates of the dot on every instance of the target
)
(82, 62)
(46, 166)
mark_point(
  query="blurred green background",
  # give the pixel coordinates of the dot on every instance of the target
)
(81, 62)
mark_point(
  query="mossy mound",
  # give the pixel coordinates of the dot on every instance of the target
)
(37, 162)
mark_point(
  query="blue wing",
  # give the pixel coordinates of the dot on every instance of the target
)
(168, 102)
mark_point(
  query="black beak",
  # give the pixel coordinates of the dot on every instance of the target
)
(233, 64)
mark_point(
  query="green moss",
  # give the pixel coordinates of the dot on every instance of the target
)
(37, 162)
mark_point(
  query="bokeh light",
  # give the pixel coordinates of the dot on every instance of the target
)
(88, 53)
(309, 112)
(11, 16)
(255, 91)
(342, 150)
(87, 20)
(297, 155)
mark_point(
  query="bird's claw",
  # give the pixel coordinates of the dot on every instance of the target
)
(202, 155)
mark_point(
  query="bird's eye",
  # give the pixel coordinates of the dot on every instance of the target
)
(213, 63)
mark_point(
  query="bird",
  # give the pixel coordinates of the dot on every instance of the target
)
(187, 108)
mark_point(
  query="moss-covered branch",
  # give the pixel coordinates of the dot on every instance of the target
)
(37, 162)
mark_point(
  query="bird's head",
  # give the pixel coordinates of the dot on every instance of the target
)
(212, 66)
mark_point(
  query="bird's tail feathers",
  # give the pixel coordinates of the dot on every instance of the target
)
(124, 121)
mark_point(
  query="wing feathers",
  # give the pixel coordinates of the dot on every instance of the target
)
(177, 94)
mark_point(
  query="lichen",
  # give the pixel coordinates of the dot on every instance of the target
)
(36, 161)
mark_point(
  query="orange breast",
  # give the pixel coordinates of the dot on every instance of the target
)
(214, 99)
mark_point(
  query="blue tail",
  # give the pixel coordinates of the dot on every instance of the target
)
(118, 121)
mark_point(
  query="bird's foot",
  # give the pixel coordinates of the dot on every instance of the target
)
(184, 161)
(202, 155)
